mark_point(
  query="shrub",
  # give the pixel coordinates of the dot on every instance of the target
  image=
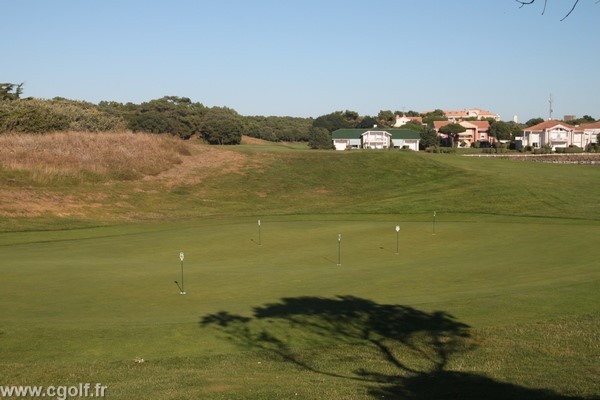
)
(174, 115)
(569, 150)
(41, 116)
(34, 116)
(441, 150)
(319, 138)
(222, 125)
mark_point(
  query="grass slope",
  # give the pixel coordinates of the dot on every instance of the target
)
(193, 180)
(500, 303)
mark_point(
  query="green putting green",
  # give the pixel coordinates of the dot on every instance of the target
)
(107, 295)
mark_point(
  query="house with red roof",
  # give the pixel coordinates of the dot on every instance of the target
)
(468, 113)
(589, 133)
(403, 120)
(549, 133)
(557, 134)
(475, 131)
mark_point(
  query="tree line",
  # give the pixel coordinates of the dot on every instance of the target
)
(179, 116)
(168, 115)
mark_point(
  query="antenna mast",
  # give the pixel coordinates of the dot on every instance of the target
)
(550, 101)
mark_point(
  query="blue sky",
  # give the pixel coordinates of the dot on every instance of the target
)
(312, 57)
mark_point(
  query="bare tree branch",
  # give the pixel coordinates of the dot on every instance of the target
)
(529, 2)
(525, 3)
(574, 5)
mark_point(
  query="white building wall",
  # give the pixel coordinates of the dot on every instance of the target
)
(355, 143)
(590, 135)
(343, 144)
(533, 139)
(340, 144)
(413, 144)
(376, 140)
(558, 138)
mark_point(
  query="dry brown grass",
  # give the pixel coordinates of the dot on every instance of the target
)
(80, 155)
(254, 141)
(80, 174)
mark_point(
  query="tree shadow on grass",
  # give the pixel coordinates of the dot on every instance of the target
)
(397, 351)
(448, 385)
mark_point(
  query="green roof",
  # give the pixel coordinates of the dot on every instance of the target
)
(357, 133)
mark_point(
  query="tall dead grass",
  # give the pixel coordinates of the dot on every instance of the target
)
(85, 156)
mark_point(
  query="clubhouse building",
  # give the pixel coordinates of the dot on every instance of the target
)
(376, 138)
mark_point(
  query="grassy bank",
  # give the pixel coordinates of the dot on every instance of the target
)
(75, 183)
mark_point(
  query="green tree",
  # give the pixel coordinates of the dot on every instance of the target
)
(31, 116)
(257, 129)
(429, 136)
(452, 131)
(386, 118)
(58, 114)
(175, 115)
(222, 125)
(352, 117)
(587, 119)
(435, 115)
(334, 121)
(273, 128)
(87, 117)
(534, 121)
(501, 130)
(10, 91)
(415, 126)
(516, 129)
(366, 122)
(319, 138)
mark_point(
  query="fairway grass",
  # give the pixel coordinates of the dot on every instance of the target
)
(81, 305)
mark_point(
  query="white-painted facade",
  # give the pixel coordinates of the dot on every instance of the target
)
(375, 138)
(412, 144)
(343, 144)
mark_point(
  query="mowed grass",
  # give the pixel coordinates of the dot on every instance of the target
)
(502, 302)
(83, 305)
